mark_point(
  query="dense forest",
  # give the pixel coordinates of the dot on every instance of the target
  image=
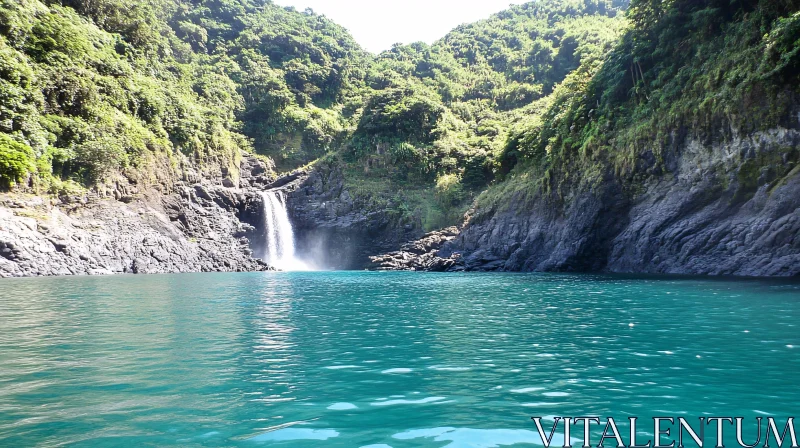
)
(706, 71)
(96, 92)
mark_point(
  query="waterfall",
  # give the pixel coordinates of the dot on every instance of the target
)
(279, 236)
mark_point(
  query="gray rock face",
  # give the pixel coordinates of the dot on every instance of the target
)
(198, 228)
(421, 255)
(712, 213)
(694, 224)
(336, 231)
(545, 238)
(254, 173)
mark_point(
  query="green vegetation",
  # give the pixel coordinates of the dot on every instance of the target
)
(16, 161)
(102, 87)
(438, 116)
(144, 89)
(705, 70)
(531, 100)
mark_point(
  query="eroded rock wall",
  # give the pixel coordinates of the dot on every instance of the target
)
(199, 227)
(721, 213)
(727, 209)
(334, 230)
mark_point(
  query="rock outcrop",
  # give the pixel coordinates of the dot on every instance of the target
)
(421, 255)
(727, 209)
(199, 227)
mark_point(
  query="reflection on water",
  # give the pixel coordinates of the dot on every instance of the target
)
(354, 359)
(485, 438)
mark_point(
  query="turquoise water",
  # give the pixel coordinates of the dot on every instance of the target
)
(352, 359)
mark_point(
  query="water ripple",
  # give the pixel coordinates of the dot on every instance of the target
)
(355, 359)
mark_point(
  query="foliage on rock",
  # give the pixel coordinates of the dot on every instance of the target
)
(708, 71)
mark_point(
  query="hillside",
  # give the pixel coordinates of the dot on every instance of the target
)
(557, 126)
(438, 117)
(678, 154)
(710, 72)
(96, 93)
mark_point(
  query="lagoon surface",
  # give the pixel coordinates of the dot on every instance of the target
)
(356, 359)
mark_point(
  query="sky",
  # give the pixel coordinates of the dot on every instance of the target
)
(378, 24)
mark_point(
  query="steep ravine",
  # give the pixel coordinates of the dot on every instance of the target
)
(718, 210)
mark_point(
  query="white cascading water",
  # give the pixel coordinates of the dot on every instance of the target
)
(279, 241)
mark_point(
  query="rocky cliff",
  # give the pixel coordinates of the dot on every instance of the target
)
(729, 208)
(338, 231)
(201, 226)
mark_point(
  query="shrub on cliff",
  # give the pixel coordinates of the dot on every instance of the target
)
(402, 114)
(17, 162)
